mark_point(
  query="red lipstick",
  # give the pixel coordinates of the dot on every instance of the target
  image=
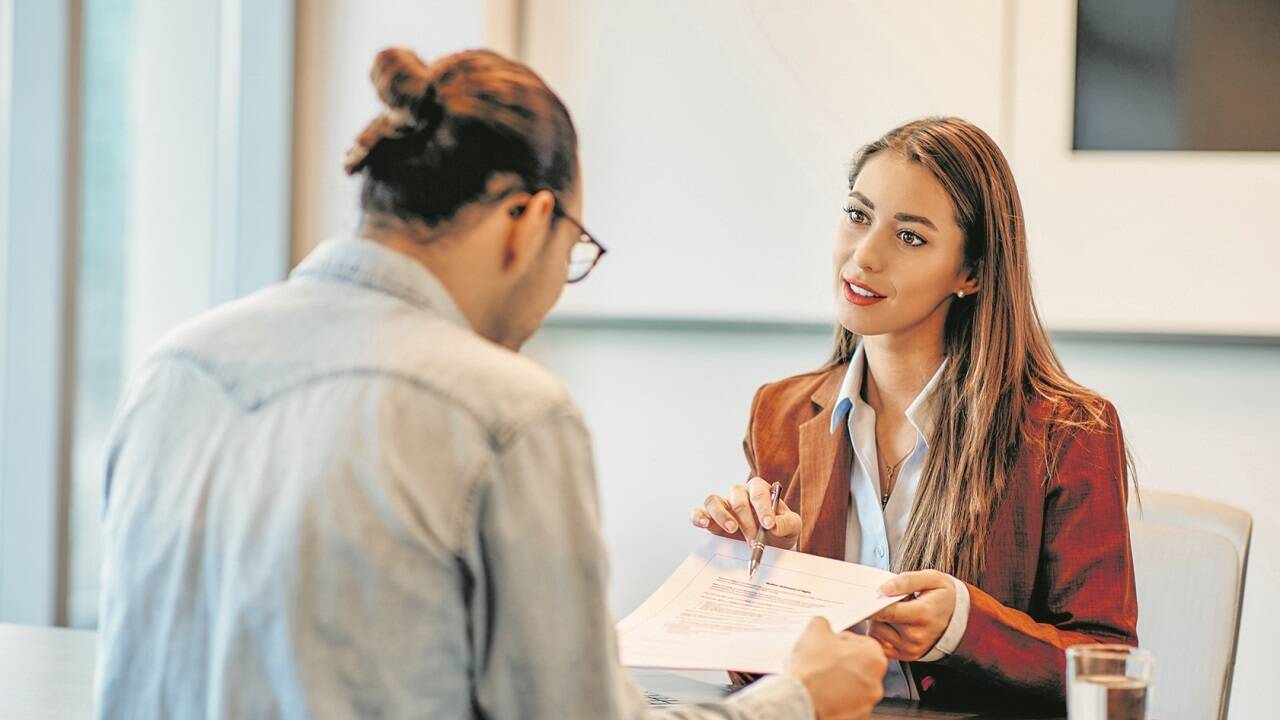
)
(860, 299)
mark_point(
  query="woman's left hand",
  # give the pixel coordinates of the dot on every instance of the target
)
(909, 628)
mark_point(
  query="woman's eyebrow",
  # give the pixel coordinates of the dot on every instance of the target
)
(907, 217)
(862, 199)
(903, 217)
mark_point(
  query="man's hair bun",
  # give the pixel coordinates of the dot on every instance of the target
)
(400, 78)
(447, 127)
(406, 87)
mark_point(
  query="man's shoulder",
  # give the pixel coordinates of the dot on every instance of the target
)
(504, 388)
(501, 389)
(280, 341)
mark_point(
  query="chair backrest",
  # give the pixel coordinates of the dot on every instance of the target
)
(1190, 557)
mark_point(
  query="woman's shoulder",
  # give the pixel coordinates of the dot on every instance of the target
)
(1087, 413)
(1075, 436)
(797, 392)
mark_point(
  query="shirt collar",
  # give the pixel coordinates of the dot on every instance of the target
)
(920, 413)
(371, 265)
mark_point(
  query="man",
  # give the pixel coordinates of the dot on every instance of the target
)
(348, 496)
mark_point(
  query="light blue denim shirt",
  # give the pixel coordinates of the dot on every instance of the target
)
(333, 499)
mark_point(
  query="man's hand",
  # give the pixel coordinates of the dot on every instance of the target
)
(843, 672)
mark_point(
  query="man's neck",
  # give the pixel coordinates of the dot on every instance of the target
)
(449, 268)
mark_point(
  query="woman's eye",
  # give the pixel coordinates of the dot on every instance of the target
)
(857, 216)
(911, 238)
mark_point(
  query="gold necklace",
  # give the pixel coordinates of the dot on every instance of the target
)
(892, 471)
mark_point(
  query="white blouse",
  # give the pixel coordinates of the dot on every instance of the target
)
(874, 535)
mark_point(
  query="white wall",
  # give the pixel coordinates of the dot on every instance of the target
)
(668, 408)
(715, 136)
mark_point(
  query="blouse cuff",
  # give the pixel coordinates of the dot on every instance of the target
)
(950, 639)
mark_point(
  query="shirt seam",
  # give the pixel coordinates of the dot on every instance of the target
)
(349, 273)
(552, 409)
(502, 440)
(497, 432)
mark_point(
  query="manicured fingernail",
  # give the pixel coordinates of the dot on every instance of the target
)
(702, 522)
(767, 522)
(731, 526)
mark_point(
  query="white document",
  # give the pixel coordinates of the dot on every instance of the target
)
(709, 616)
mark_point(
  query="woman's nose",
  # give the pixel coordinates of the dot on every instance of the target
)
(867, 252)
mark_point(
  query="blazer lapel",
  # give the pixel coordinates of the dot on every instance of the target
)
(823, 474)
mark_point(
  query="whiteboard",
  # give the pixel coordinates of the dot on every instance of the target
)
(715, 136)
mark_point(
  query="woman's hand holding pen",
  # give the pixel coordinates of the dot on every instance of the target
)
(737, 515)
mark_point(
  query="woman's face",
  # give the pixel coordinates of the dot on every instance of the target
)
(899, 254)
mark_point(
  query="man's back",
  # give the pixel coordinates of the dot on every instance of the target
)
(333, 499)
(295, 493)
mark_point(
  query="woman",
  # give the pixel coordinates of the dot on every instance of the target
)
(944, 441)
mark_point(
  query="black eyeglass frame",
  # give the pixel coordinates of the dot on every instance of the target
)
(584, 237)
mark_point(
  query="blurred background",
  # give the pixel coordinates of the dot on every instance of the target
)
(158, 158)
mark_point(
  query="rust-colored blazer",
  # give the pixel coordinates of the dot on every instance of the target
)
(1059, 569)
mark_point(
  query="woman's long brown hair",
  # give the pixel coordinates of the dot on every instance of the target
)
(999, 357)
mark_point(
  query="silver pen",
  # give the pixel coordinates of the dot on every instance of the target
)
(757, 545)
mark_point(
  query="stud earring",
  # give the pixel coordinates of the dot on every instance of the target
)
(960, 294)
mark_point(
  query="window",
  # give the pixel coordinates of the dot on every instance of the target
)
(159, 188)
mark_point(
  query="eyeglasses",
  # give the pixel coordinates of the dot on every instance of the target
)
(586, 252)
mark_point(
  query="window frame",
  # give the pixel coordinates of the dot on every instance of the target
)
(40, 104)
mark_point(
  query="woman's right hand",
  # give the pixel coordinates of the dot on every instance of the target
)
(737, 515)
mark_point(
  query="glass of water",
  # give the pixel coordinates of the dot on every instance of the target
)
(1108, 682)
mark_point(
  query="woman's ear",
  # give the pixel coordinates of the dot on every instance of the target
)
(970, 285)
